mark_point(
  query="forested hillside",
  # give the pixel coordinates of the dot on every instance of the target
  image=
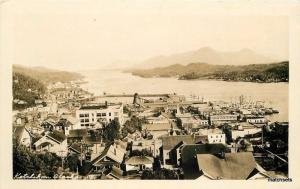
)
(26, 90)
(274, 72)
(47, 75)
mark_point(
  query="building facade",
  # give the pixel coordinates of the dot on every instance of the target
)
(89, 115)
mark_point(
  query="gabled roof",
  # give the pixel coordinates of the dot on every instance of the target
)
(139, 160)
(188, 157)
(116, 154)
(57, 136)
(169, 142)
(234, 166)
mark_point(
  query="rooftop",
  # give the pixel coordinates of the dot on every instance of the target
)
(139, 160)
(210, 131)
(113, 152)
(99, 106)
(59, 136)
(169, 142)
(234, 166)
(189, 162)
(92, 107)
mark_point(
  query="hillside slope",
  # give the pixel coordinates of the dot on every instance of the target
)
(254, 72)
(46, 75)
(26, 90)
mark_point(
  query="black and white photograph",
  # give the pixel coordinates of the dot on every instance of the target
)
(148, 90)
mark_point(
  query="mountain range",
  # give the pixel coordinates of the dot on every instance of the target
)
(207, 55)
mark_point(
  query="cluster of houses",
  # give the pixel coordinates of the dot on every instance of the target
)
(198, 140)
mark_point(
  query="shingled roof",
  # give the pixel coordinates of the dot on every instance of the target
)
(116, 154)
(234, 166)
(169, 142)
(188, 157)
(58, 136)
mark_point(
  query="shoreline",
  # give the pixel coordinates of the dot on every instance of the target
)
(209, 79)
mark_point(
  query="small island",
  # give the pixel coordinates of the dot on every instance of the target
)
(264, 73)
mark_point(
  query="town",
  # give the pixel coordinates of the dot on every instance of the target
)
(71, 133)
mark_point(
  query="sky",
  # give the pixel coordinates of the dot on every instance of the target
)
(91, 34)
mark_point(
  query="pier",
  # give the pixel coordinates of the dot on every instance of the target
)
(130, 95)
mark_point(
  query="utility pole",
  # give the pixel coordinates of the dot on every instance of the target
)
(81, 153)
(62, 158)
(262, 136)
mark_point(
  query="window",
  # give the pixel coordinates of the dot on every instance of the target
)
(82, 120)
(98, 114)
(93, 119)
(81, 115)
(103, 114)
(86, 120)
(109, 114)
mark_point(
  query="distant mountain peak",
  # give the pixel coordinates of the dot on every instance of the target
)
(208, 55)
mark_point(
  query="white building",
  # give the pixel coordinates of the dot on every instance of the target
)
(244, 129)
(214, 135)
(89, 115)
